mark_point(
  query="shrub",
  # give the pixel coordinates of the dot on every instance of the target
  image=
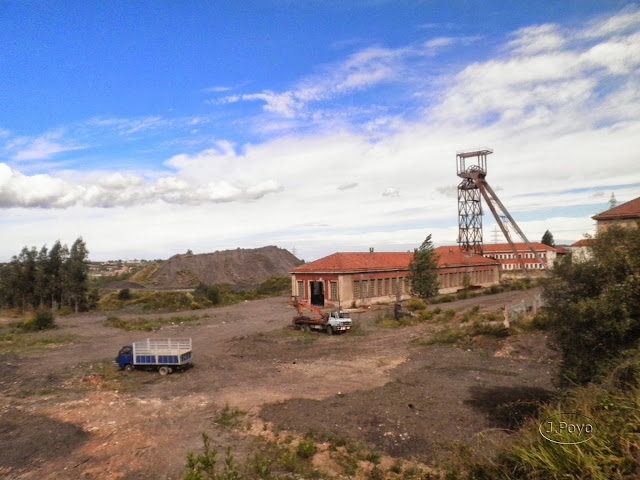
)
(449, 314)
(414, 304)
(306, 448)
(208, 292)
(437, 311)
(66, 310)
(124, 294)
(43, 319)
(427, 315)
(274, 286)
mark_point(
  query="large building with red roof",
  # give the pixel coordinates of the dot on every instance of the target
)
(625, 215)
(509, 261)
(366, 278)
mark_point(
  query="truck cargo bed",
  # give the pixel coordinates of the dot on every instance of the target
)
(164, 351)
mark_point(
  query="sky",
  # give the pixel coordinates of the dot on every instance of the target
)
(153, 127)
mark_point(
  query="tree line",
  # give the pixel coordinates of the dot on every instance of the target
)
(48, 278)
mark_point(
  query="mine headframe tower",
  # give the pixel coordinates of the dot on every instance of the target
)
(472, 169)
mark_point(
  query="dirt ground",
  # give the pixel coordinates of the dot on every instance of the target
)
(66, 413)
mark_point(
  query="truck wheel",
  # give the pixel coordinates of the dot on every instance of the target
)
(305, 328)
(128, 367)
(164, 370)
(329, 330)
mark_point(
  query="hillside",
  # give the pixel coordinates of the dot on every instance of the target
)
(250, 266)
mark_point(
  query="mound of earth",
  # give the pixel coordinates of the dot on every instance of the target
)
(250, 266)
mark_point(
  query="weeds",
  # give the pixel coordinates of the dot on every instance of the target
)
(17, 342)
(229, 417)
(414, 304)
(147, 324)
(306, 448)
(203, 466)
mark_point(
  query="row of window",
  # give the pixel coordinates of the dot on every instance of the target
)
(516, 266)
(456, 279)
(380, 287)
(511, 256)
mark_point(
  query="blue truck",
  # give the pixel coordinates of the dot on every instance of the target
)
(162, 354)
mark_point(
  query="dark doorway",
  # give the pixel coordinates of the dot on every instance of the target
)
(317, 294)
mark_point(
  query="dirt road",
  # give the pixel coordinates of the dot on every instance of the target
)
(67, 414)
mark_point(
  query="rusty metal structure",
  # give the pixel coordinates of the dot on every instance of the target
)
(471, 167)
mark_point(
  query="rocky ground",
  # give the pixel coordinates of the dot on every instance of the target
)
(66, 413)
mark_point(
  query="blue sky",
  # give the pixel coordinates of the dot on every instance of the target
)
(150, 128)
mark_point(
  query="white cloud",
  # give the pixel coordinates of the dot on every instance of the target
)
(367, 68)
(536, 39)
(117, 190)
(40, 148)
(614, 25)
(347, 186)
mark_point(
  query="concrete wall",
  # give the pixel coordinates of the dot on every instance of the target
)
(603, 225)
(451, 279)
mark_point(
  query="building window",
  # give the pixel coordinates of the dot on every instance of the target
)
(393, 286)
(333, 290)
(300, 289)
(356, 289)
(379, 287)
(372, 288)
(386, 286)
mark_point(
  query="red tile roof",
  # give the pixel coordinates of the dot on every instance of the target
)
(490, 248)
(387, 261)
(585, 242)
(631, 209)
(358, 262)
(561, 250)
(454, 257)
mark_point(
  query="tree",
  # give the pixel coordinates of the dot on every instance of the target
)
(547, 239)
(423, 270)
(77, 273)
(594, 306)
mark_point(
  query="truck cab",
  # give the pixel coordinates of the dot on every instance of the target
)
(125, 358)
(339, 321)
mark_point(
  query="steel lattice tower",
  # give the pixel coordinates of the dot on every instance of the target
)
(471, 189)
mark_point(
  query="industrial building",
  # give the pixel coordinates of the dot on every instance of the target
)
(508, 260)
(377, 277)
(625, 215)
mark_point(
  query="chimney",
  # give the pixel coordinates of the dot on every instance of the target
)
(370, 249)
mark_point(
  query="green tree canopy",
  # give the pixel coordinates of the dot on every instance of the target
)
(594, 306)
(547, 239)
(423, 270)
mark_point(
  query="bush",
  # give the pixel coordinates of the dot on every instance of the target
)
(414, 304)
(124, 294)
(274, 287)
(593, 307)
(306, 448)
(208, 292)
(43, 319)
(427, 315)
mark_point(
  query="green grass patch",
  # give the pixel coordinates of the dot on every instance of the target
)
(613, 407)
(23, 343)
(148, 324)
